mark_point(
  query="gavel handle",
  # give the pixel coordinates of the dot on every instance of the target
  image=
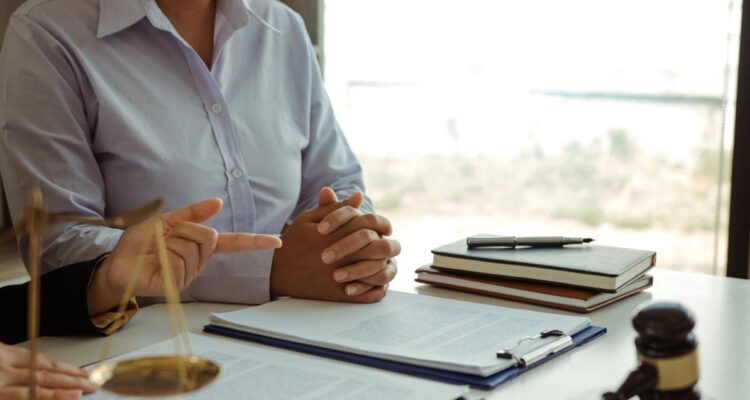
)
(639, 381)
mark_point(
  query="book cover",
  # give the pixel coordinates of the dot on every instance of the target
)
(565, 298)
(587, 266)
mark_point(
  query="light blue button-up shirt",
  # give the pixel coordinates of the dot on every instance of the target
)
(105, 107)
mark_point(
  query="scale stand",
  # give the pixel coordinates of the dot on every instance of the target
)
(154, 376)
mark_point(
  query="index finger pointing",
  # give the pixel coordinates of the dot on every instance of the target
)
(234, 242)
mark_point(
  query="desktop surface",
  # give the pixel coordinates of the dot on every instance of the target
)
(719, 304)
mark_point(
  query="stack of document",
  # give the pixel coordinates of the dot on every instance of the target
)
(424, 335)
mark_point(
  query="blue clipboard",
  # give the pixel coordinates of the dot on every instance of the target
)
(478, 382)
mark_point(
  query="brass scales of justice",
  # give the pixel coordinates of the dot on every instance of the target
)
(149, 376)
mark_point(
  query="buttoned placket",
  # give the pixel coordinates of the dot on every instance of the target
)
(239, 191)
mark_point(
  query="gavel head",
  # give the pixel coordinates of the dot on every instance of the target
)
(666, 342)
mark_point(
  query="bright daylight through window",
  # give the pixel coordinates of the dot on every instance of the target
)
(609, 119)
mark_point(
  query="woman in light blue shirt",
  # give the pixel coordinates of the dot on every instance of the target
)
(107, 104)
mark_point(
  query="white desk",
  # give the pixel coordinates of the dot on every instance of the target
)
(721, 306)
(12, 271)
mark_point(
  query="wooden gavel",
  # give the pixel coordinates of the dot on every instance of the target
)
(668, 353)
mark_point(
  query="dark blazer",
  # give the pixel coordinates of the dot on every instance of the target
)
(63, 307)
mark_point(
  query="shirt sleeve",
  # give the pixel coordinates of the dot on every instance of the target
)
(63, 308)
(328, 159)
(46, 141)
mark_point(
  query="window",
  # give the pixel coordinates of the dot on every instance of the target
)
(609, 119)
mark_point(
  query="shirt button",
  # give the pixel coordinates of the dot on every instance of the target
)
(237, 173)
(216, 108)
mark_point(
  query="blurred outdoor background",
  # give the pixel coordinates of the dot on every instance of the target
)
(602, 118)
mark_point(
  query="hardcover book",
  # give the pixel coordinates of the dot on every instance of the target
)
(565, 298)
(586, 266)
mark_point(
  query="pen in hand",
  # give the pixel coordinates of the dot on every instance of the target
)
(533, 241)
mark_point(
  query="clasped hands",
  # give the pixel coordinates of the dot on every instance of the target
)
(335, 252)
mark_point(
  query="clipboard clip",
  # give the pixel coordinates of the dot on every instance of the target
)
(564, 341)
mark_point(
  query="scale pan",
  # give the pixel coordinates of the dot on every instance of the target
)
(155, 376)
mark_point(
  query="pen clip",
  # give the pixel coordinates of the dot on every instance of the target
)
(563, 342)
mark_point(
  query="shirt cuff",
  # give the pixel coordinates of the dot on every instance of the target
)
(109, 322)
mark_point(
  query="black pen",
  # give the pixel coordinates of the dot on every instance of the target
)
(513, 241)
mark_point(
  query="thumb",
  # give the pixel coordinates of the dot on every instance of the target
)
(327, 196)
(196, 212)
(316, 214)
(355, 200)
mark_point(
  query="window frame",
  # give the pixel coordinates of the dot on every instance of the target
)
(738, 251)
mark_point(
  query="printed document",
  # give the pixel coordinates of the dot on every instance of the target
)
(256, 372)
(423, 330)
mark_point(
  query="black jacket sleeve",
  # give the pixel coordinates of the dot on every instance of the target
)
(63, 307)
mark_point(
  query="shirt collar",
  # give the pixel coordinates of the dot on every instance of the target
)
(248, 4)
(118, 15)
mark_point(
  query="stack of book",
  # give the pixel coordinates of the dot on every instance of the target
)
(575, 278)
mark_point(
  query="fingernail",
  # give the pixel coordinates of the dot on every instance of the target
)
(324, 226)
(340, 276)
(328, 256)
(270, 241)
(351, 290)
